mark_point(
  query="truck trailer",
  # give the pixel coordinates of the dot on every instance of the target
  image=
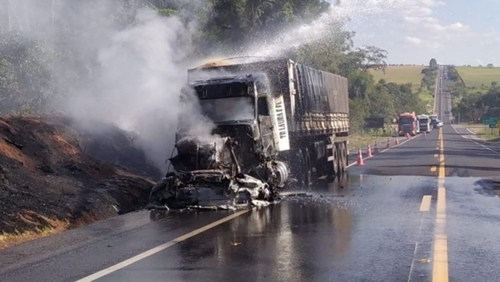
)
(275, 124)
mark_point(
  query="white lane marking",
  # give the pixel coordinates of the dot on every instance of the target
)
(159, 248)
(471, 131)
(472, 140)
(385, 150)
(487, 148)
(473, 136)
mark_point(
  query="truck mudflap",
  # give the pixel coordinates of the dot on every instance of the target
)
(209, 189)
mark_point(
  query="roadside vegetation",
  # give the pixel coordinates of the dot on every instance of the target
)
(370, 137)
(422, 79)
(472, 98)
(484, 132)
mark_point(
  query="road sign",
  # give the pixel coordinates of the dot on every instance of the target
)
(490, 120)
(374, 122)
(492, 125)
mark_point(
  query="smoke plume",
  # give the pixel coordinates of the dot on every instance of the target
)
(135, 74)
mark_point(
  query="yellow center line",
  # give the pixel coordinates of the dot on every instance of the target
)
(425, 206)
(440, 261)
(433, 169)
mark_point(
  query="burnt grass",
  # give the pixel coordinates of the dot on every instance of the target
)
(55, 171)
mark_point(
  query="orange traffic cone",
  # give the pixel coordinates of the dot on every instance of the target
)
(388, 144)
(369, 152)
(360, 158)
(397, 140)
(375, 149)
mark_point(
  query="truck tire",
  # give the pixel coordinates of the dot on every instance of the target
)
(304, 172)
(309, 167)
(342, 166)
(332, 165)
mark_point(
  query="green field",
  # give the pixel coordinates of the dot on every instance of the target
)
(406, 74)
(479, 77)
(400, 74)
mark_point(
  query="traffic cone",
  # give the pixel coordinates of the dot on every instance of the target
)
(388, 144)
(369, 152)
(360, 159)
(375, 148)
(397, 140)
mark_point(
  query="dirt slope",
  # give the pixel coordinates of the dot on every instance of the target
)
(56, 174)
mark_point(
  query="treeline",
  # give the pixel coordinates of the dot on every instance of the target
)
(37, 69)
(470, 105)
(429, 76)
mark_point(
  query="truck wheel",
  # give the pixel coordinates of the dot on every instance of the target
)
(304, 172)
(342, 159)
(308, 168)
(331, 165)
(336, 161)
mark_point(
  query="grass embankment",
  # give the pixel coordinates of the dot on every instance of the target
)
(479, 78)
(12, 239)
(406, 74)
(362, 141)
(484, 132)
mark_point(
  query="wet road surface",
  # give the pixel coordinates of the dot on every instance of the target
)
(424, 209)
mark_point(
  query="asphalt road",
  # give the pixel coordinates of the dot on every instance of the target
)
(421, 210)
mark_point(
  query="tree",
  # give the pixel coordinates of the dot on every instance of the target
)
(490, 65)
(433, 63)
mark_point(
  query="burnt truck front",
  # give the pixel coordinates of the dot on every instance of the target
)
(230, 155)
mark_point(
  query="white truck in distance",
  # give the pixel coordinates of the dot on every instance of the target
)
(424, 123)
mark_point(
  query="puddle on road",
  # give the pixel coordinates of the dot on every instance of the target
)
(349, 190)
(489, 187)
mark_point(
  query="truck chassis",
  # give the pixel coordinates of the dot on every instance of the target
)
(315, 159)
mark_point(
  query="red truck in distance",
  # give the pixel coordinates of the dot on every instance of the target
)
(407, 123)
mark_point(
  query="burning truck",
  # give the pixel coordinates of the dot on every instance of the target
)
(275, 123)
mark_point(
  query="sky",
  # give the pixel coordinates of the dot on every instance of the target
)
(457, 32)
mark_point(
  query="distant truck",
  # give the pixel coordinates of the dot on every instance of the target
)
(424, 123)
(407, 124)
(434, 121)
(275, 121)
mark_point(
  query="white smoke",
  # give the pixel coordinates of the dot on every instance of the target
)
(136, 82)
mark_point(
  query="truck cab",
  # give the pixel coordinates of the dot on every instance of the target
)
(424, 122)
(434, 121)
(407, 124)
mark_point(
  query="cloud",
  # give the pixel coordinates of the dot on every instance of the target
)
(413, 40)
(424, 29)
(418, 42)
